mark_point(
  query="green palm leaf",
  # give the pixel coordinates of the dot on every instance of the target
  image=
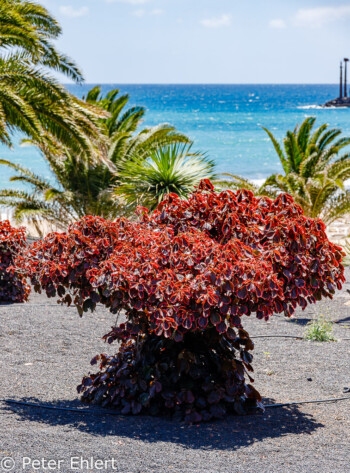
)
(169, 169)
(85, 186)
(315, 173)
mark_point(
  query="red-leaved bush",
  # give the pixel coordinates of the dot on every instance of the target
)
(13, 287)
(184, 276)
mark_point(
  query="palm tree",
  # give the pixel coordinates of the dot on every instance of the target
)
(314, 170)
(29, 27)
(121, 128)
(84, 186)
(34, 103)
(173, 168)
(31, 100)
(81, 188)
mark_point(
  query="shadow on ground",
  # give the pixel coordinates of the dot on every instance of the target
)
(304, 321)
(345, 320)
(300, 321)
(229, 434)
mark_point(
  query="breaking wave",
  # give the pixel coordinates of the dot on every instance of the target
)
(320, 107)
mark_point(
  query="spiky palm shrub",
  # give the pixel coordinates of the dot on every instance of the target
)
(183, 277)
(85, 186)
(174, 168)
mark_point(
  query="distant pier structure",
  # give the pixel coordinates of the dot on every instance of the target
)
(343, 100)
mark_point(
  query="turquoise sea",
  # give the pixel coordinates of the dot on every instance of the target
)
(223, 120)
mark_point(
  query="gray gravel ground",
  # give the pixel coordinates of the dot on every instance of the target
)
(45, 349)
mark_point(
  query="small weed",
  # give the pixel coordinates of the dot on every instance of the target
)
(320, 330)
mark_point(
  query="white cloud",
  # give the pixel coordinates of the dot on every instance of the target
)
(139, 13)
(130, 2)
(217, 22)
(72, 12)
(157, 11)
(320, 16)
(277, 23)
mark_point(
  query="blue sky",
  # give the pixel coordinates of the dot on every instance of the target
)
(205, 41)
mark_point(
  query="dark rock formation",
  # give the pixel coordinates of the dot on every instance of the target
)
(339, 102)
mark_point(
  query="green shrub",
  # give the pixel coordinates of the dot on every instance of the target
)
(320, 330)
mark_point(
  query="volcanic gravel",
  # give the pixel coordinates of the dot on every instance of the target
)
(46, 349)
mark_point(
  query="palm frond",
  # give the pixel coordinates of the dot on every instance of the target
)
(170, 169)
(278, 150)
(315, 173)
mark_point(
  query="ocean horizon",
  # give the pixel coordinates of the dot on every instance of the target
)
(224, 121)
